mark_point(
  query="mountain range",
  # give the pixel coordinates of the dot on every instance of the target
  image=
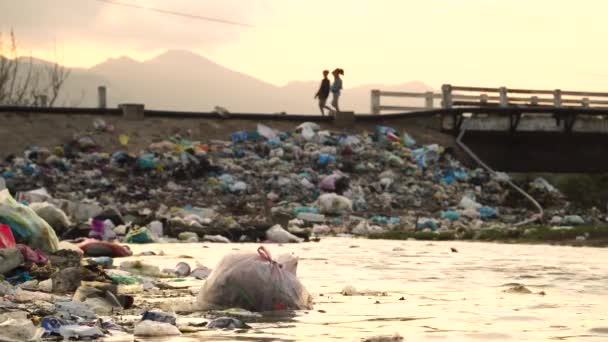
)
(184, 81)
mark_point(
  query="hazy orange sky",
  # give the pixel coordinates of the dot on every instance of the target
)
(515, 43)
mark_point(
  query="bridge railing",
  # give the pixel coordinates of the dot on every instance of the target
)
(505, 97)
(454, 96)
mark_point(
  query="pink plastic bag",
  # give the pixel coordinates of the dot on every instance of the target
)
(36, 256)
(7, 240)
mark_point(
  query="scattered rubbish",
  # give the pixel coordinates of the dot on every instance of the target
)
(74, 308)
(573, 220)
(277, 234)
(10, 258)
(518, 288)
(147, 328)
(18, 330)
(159, 316)
(140, 268)
(182, 269)
(227, 323)
(96, 248)
(216, 238)
(385, 338)
(77, 332)
(201, 272)
(139, 235)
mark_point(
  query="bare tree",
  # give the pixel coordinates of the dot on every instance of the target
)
(22, 82)
(56, 75)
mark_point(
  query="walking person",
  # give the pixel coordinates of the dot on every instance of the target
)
(323, 93)
(336, 88)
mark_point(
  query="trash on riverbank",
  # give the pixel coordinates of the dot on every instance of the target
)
(256, 282)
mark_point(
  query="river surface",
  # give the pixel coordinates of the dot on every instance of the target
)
(432, 293)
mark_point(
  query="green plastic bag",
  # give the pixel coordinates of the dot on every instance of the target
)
(139, 235)
(27, 227)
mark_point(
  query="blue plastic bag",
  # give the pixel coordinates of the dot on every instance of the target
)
(146, 161)
(325, 159)
(488, 212)
(451, 215)
(239, 136)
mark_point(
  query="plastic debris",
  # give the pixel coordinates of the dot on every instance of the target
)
(277, 234)
(26, 225)
(227, 323)
(253, 281)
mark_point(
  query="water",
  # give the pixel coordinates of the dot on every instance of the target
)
(433, 294)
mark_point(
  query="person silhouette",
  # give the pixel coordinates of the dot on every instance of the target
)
(336, 88)
(323, 93)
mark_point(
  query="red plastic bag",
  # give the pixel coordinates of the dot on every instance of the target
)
(7, 240)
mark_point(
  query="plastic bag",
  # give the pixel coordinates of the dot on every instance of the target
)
(54, 216)
(7, 240)
(27, 227)
(277, 234)
(468, 202)
(334, 204)
(19, 330)
(266, 132)
(139, 235)
(102, 231)
(146, 161)
(255, 282)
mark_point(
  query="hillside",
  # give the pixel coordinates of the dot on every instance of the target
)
(182, 80)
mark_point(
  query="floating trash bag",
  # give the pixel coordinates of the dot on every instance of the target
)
(255, 282)
(27, 227)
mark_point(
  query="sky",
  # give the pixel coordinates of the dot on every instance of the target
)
(544, 44)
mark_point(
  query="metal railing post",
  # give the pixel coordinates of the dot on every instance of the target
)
(483, 99)
(446, 92)
(428, 99)
(557, 98)
(375, 101)
(504, 97)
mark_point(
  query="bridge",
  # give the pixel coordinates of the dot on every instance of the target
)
(517, 130)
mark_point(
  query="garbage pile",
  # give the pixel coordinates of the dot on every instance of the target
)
(60, 292)
(261, 185)
(68, 213)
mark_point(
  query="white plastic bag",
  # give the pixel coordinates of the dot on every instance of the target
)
(255, 282)
(468, 202)
(277, 234)
(266, 132)
(334, 204)
(54, 216)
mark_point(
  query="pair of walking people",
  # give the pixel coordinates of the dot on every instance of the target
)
(335, 88)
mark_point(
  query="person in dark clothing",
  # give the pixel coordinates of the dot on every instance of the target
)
(323, 93)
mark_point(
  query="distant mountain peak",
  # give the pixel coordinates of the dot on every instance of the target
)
(180, 56)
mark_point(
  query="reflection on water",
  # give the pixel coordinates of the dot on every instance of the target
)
(432, 293)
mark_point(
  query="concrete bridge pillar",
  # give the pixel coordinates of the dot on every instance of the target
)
(101, 97)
